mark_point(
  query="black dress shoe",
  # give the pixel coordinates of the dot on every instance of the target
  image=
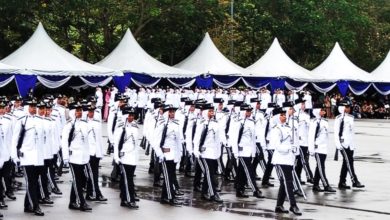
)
(268, 184)
(357, 184)
(90, 198)
(101, 198)
(28, 210)
(205, 197)
(46, 201)
(344, 186)
(302, 182)
(311, 181)
(241, 194)
(257, 178)
(10, 195)
(317, 188)
(74, 206)
(216, 198)
(329, 189)
(295, 210)
(132, 205)
(178, 192)
(136, 199)
(218, 189)
(298, 193)
(85, 207)
(38, 212)
(56, 191)
(258, 194)
(280, 209)
(175, 202)
(1, 215)
(197, 189)
(2, 204)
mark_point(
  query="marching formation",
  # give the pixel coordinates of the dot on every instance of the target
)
(201, 133)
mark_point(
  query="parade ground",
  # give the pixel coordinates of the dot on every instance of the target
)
(372, 163)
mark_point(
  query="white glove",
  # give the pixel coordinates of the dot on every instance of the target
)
(161, 159)
(66, 163)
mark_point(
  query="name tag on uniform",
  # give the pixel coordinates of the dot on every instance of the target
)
(166, 150)
(202, 149)
(240, 148)
(121, 154)
(70, 152)
(315, 146)
(20, 154)
(341, 140)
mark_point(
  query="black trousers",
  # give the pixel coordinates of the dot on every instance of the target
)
(199, 170)
(348, 166)
(127, 183)
(299, 163)
(5, 174)
(79, 174)
(245, 174)
(168, 171)
(157, 169)
(231, 165)
(209, 181)
(31, 174)
(268, 168)
(259, 159)
(93, 189)
(51, 172)
(43, 181)
(285, 173)
(320, 170)
(221, 165)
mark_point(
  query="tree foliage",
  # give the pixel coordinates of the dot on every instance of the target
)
(170, 30)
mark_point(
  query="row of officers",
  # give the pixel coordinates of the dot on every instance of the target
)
(194, 137)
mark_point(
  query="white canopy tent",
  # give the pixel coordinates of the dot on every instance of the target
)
(207, 59)
(337, 67)
(40, 55)
(129, 56)
(276, 63)
(8, 69)
(382, 72)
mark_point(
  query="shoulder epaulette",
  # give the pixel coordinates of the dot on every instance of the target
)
(134, 125)
(55, 109)
(120, 124)
(7, 117)
(339, 116)
(48, 119)
(324, 119)
(22, 117)
(83, 120)
(69, 120)
(251, 119)
(96, 120)
(175, 121)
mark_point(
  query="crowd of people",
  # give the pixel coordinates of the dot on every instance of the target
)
(235, 133)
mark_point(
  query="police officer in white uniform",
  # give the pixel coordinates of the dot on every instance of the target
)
(30, 153)
(318, 146)
(344, 141)
(283, 159)
(244, 149)
(168, 145)
(96, 154)
(126, 155)
(75, 150)
(207, 146)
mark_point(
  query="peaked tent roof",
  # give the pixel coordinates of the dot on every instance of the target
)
(276, 63)
(7, 69)
(337, 66)
(40, 55)
(129, 56)
(382, 72)
(208, 59)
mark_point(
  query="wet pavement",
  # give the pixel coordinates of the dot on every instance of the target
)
(372, 163)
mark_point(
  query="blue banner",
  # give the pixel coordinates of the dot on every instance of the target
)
(204, 82)
(121, 82)
(25, 83)
(343, 87)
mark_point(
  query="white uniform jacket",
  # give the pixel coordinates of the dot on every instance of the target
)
(5, 138)
(32, 146)
(284, 150)
(318, 143)
(211, 148)
(78, 150)
(95, 138)
(129, 152)
(303, 128)
(247, 145)
(172, 147)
